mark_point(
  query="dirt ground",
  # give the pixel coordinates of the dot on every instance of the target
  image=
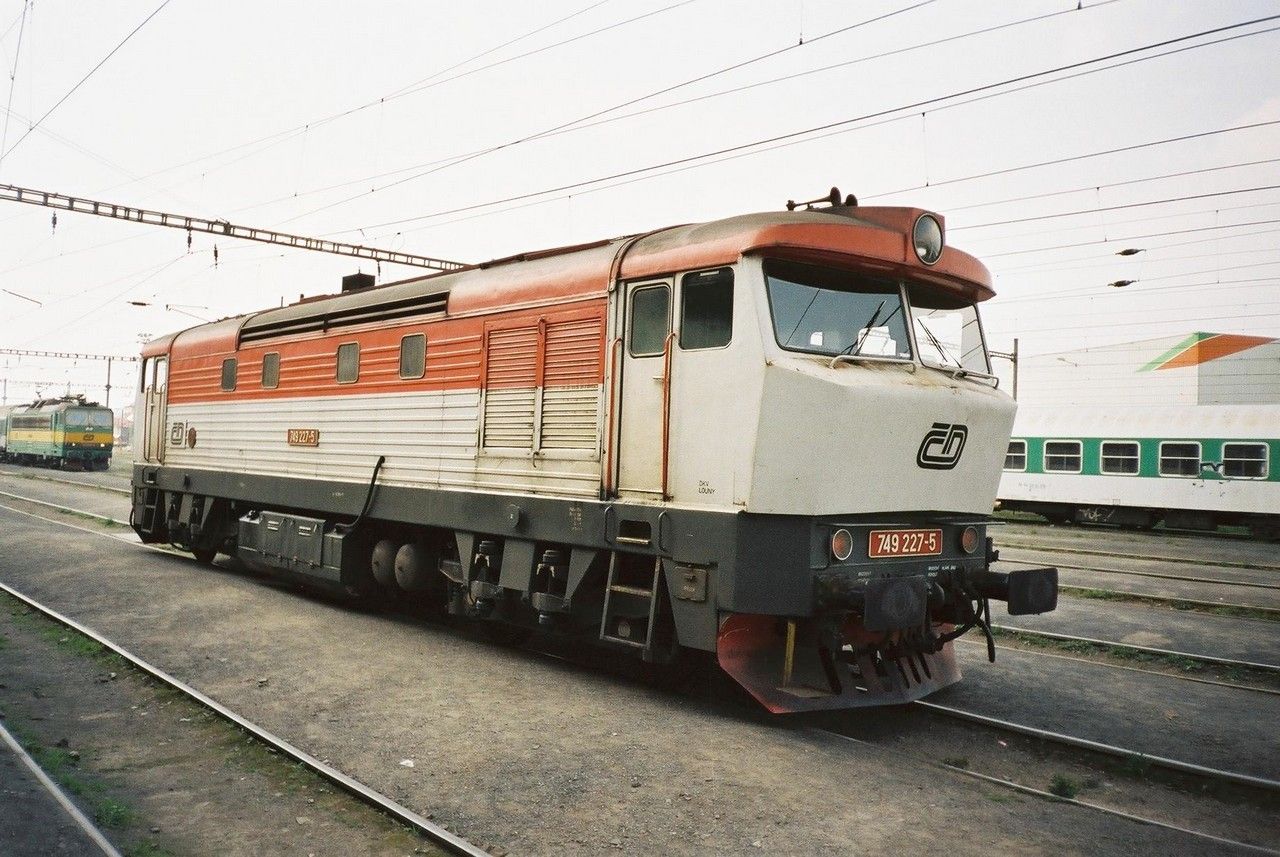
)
(538, 755)
(158, 774)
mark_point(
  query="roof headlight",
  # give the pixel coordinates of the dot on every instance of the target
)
(927, 238)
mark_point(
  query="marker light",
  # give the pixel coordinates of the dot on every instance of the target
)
(927, 237)
(969, 539)
(841, 544)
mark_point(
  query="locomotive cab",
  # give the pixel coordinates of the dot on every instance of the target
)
(846, 414)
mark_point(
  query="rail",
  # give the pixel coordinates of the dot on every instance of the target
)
(432, 831)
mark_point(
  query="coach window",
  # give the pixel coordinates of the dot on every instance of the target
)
(1244, 460)
(650, 320)
(348, 363)
(413, 356)
(1062, 456)
(1180, 459)
(1015, 458)
(1119, 458)
(271, 370)
(228, 375)
(706, 309)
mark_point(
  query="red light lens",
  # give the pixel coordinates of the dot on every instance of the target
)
(841, 544)
(969, 539)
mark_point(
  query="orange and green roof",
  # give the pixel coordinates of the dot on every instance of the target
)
(1202, 347)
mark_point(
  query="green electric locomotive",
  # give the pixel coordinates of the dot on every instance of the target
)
(57, 432)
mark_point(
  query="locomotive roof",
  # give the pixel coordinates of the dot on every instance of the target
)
(876, 237)
(49, 406)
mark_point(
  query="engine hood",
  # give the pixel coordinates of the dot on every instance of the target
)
(874, 437)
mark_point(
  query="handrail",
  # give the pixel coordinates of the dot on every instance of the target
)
(667, 351)
(961, 372)
(871, 358)
(606, 477)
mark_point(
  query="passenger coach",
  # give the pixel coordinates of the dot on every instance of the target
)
(774, 437)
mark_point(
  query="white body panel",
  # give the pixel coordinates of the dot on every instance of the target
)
(429, 439)
(845, 440)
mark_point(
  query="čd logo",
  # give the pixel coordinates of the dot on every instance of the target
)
(942, 445)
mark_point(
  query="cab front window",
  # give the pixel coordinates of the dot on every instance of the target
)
(832, 312)
(948, 334)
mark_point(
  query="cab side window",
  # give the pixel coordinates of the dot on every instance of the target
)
(706, 309)
(650, 320)
(271, 370)
(228, 375)
(413, 356)
(348, 363)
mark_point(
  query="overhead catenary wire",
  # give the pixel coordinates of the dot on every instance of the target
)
(1130, 238)
(424, 83)
(1149, 218)
(449, 160)
(13, 76)
(1155, 260)
(85, 79)
(563, 126)
(1097, 291)
(842, 123)
(1109, 185)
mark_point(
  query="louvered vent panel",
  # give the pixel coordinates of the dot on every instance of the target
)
(511, 373)
(571, 398)
(508, 417)
(512, 358)
(575, 353)
(570, 417)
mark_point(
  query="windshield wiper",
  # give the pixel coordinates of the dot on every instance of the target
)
(942, 351)
(861, 338)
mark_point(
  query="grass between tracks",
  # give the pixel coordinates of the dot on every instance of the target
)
(1172, 603)
(1125, 656)
(226, 746)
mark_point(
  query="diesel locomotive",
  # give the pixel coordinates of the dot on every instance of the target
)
(774, 438)
(58, 432)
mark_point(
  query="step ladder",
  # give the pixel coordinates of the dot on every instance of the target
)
(613, 590)
(150, 506)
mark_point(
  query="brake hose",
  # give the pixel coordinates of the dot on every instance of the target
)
(368, 498)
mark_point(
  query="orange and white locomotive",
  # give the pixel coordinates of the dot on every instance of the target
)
(774, 437)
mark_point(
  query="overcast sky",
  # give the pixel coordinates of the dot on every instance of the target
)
(232, 110)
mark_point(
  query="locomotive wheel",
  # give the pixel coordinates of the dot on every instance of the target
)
(204, 556)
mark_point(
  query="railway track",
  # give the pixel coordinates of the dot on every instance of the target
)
(1045, 547)
(457, 845)
(64, 804)
(1182, 677)
(1151, 650)
(79, 483)
(1166, 762)
(1158, 575)
(1022, 788)
(435, 833)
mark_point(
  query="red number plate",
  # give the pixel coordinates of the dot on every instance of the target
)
(884, 543)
